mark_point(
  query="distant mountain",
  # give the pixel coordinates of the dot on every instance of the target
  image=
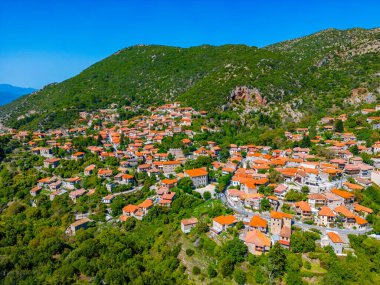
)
(8, 93)
(304, 77)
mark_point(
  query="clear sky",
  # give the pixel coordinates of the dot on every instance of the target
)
(49, 41)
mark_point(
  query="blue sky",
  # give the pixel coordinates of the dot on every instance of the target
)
(49, 41)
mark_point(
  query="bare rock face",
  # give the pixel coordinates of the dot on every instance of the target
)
(361, 95)
(251, 95)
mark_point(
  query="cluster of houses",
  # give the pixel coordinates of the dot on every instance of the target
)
(331, 182)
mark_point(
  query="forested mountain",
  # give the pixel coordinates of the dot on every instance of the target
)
(9, 92)
(308, 75)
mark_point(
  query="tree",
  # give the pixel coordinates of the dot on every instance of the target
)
(211, 272)
(339, 127)
(226, 266)
(265, 205)
(277, 261)
(240, 276)
(354, 149)
(207, 195)
(293, 195)
(235, 249)
(305, 142)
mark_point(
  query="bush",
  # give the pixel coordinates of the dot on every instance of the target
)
(207, 195)
(240, 276)
(212, 273)
(189, 252)
(307, 265)
(196, 270)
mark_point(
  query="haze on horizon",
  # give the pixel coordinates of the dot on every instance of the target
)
(49, 41)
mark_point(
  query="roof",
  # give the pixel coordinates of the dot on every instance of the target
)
(304, 206)
(280, 215)
(342, 193)
(257, 238)
(360, 221)
(344, 211)
(360, 208)
(196, 172)
(225, 220)
(257, 221)
(334, 237)
(146, 204)
(190, 221)
(285, 232)
(80, 222)
(130, 208)
(326, 211)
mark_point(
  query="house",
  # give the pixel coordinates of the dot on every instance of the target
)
(78, 155)
(130, 210)
(222, 223)
(326, 217)
(333, 201)
(89, 170)
(144, 207)
(257, 242)
(71, 183)
(347, 196)
(334, 240)
(104, 173)
(375, 177)
(285, 234)
(56, 193)
(108, 199)
(35, 191)
(127, 179)
(46, 152)
(303, 209)
(346, 216)
(188, 224)
(316, 200)
(198, 176)
(166, 199)
(258, 223)
(278, 220)
(360, 210)
(169, 183)
(74, 195)
(80, 224)
(169, 167)
(280, 190)
(51, 162)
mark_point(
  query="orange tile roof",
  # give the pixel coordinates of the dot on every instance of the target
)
(190, 221)
(257, 221)
(225, 220)
(344, 211)
(130, 208)
(360, 208)
(304, 206)
(360, 221)
(257, 238)
(280, 215)
(326, 211)
(196, 172)
(146, 204)
(335, 238)
(342, 193)
(353, 186)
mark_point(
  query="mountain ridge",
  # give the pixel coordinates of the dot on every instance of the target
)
(315, 72)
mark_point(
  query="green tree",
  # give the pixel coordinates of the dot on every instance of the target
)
(339, 127)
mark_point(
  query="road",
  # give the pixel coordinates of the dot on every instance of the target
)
(249, 214)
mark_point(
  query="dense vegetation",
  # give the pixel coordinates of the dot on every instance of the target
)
(313, 73)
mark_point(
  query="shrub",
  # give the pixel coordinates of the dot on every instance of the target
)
(189, 252)
(196, 270)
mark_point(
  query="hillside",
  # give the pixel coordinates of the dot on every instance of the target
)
(310, 74)
(9, 93)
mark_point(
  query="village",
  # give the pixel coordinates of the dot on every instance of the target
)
(269, 191)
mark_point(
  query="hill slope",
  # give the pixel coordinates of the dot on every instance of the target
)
(309, 74)
(9, 92)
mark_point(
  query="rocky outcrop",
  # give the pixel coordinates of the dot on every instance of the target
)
(250, 95)
(361, 95)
